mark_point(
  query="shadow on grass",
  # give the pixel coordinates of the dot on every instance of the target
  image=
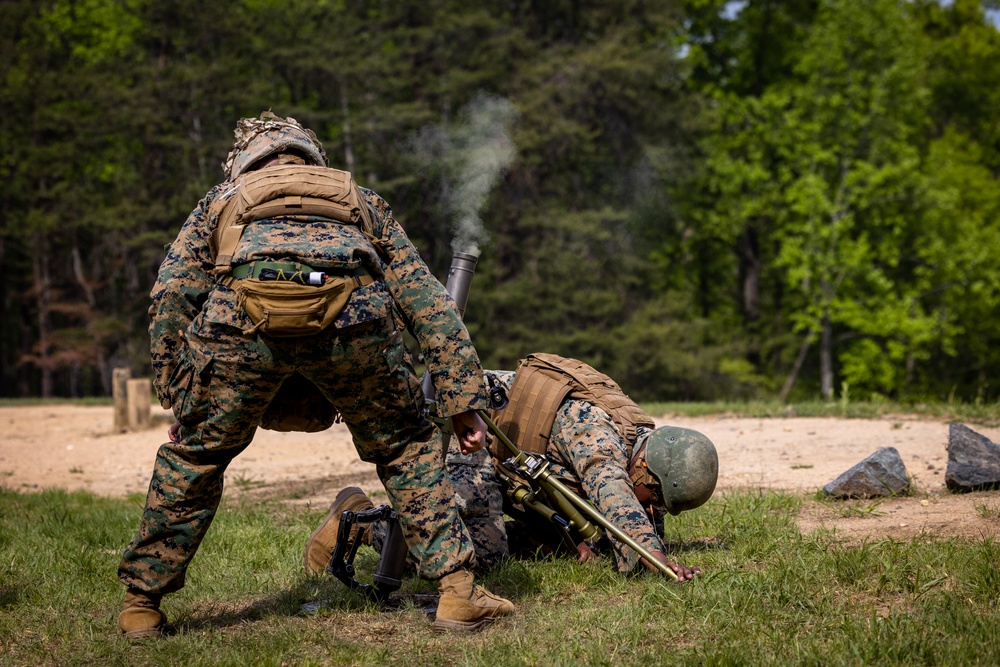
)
(11, 596)
(288, 603)
(694, 546)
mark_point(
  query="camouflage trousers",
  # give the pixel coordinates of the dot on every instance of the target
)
(479, 499)
(223, 384)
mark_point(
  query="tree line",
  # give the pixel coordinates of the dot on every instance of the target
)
(705, 199)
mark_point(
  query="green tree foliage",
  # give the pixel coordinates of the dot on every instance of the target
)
(830, 170)
(704, 198)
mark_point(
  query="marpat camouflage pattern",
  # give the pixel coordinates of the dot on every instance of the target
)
(218, 381)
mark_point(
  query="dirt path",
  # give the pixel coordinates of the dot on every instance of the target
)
(75, 447)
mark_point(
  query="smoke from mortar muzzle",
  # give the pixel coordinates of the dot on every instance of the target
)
(472, 154)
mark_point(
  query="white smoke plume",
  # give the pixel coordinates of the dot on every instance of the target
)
(473, 153)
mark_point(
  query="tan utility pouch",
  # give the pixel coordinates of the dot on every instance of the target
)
(282, 308)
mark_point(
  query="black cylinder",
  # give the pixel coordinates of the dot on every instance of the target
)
(463, 268)
(389, 576)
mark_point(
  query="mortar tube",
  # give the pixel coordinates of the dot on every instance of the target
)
(463, 268)
(458, 286)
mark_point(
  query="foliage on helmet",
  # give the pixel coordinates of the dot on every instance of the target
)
(686, 465)
(258, 138)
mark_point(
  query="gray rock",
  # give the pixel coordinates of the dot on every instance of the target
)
(881, 474)
(973, 460)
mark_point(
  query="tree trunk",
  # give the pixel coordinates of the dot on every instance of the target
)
(40, 269)
(750, 269)
(24, 370)
(74, 379)
(81, 277)
(826, 357)
(100, 360)
(796, 368)
(348, 139)
(197, 140)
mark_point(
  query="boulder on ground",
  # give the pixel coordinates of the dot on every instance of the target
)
(973, 460)
(881, 474)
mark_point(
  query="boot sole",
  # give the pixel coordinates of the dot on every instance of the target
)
(146, 633)
(443, 625)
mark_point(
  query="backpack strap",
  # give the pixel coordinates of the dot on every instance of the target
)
(230, 239)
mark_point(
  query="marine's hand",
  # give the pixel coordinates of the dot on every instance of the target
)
(470, 429)
(584, 553)
(683, 572)
(174, 432)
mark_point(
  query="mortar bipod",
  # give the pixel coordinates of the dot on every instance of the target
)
(388, 577)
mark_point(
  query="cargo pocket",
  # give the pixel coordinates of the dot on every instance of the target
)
(400, 367)
(189, 388)
(367, 304)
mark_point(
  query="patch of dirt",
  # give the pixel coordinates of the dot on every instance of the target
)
(971, 515)
(76, 447)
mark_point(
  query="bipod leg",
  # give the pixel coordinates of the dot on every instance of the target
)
(346, 549)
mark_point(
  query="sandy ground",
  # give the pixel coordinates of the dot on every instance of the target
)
(74, 447)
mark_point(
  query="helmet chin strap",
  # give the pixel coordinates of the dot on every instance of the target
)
(637, 471)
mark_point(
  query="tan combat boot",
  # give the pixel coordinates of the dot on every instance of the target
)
(465, 607)
(141, 616)
(319, 547)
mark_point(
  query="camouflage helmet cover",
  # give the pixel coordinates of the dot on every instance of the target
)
(257, 138)
(686, 464)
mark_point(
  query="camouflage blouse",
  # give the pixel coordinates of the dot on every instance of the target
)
(185, 284)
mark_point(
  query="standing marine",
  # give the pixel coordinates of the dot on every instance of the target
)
(282, 303)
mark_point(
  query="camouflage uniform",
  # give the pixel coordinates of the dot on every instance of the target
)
(479, 497)
(219, 381)
(586, 450)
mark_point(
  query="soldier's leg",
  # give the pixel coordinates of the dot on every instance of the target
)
(222, 389)
(373, 385)
(370, 379)
(480, 503)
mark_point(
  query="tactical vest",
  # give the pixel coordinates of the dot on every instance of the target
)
(291, 191)
(542, 383)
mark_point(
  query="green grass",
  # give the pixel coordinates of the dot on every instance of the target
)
(987, 414)
(90, 401)
(768, 595)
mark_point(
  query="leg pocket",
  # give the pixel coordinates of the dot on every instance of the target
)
(388, 377)
(189, 389)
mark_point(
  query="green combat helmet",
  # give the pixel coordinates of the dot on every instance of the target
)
(258, 138)
(686, 464)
